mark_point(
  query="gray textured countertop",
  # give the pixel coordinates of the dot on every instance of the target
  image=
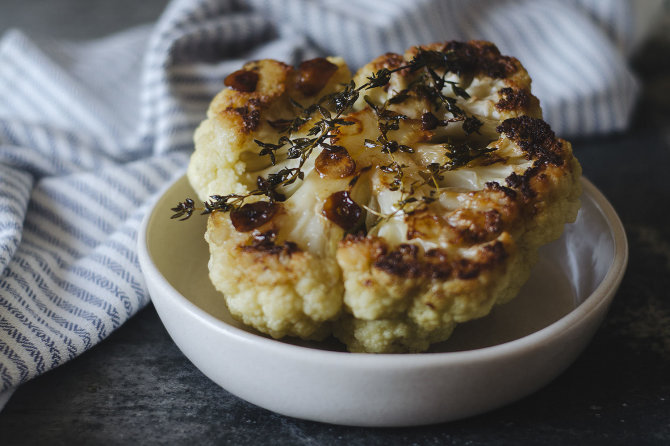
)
(137, 387)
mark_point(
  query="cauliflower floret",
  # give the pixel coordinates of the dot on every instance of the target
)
(273, 286)
(226, 157)
(385, 208)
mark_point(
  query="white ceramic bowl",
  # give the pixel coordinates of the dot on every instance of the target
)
(487, 363)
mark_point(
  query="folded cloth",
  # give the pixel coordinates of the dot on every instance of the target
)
(89, 132)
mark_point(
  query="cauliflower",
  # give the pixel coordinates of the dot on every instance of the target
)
(384, 208)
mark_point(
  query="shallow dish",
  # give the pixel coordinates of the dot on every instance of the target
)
(487, 363)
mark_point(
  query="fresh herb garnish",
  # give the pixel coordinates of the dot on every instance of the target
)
(327, 113)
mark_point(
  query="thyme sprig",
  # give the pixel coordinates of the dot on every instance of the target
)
(458, 155)
(331, 107)
(388, 120)
(217, 203)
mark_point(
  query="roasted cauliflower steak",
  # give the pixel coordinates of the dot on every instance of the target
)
(384, 207)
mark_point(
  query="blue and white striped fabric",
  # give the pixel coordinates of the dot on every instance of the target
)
(90, 131)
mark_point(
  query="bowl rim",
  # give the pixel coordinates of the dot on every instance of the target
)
(591, 304)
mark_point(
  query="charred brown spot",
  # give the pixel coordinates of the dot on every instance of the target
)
(335, 163)
(388, 60)
(264, 242)
(253, 215)
(514, 180)
(475, 226)
(342, 210)
(251, 117)
(538, 141)
(494, 185)
(478, 57)
(522, 182)
(466, 269)
(242, 80)
(490, 256)
(535, 137)
(513, 99)
(437, 264)
(313, 75)
(402, 261)
(493, 255)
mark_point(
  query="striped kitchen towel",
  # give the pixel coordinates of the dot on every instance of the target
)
(90, 131)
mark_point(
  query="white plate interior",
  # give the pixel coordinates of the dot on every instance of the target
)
(568, 271)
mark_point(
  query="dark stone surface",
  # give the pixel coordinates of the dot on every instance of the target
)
(137, 387)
